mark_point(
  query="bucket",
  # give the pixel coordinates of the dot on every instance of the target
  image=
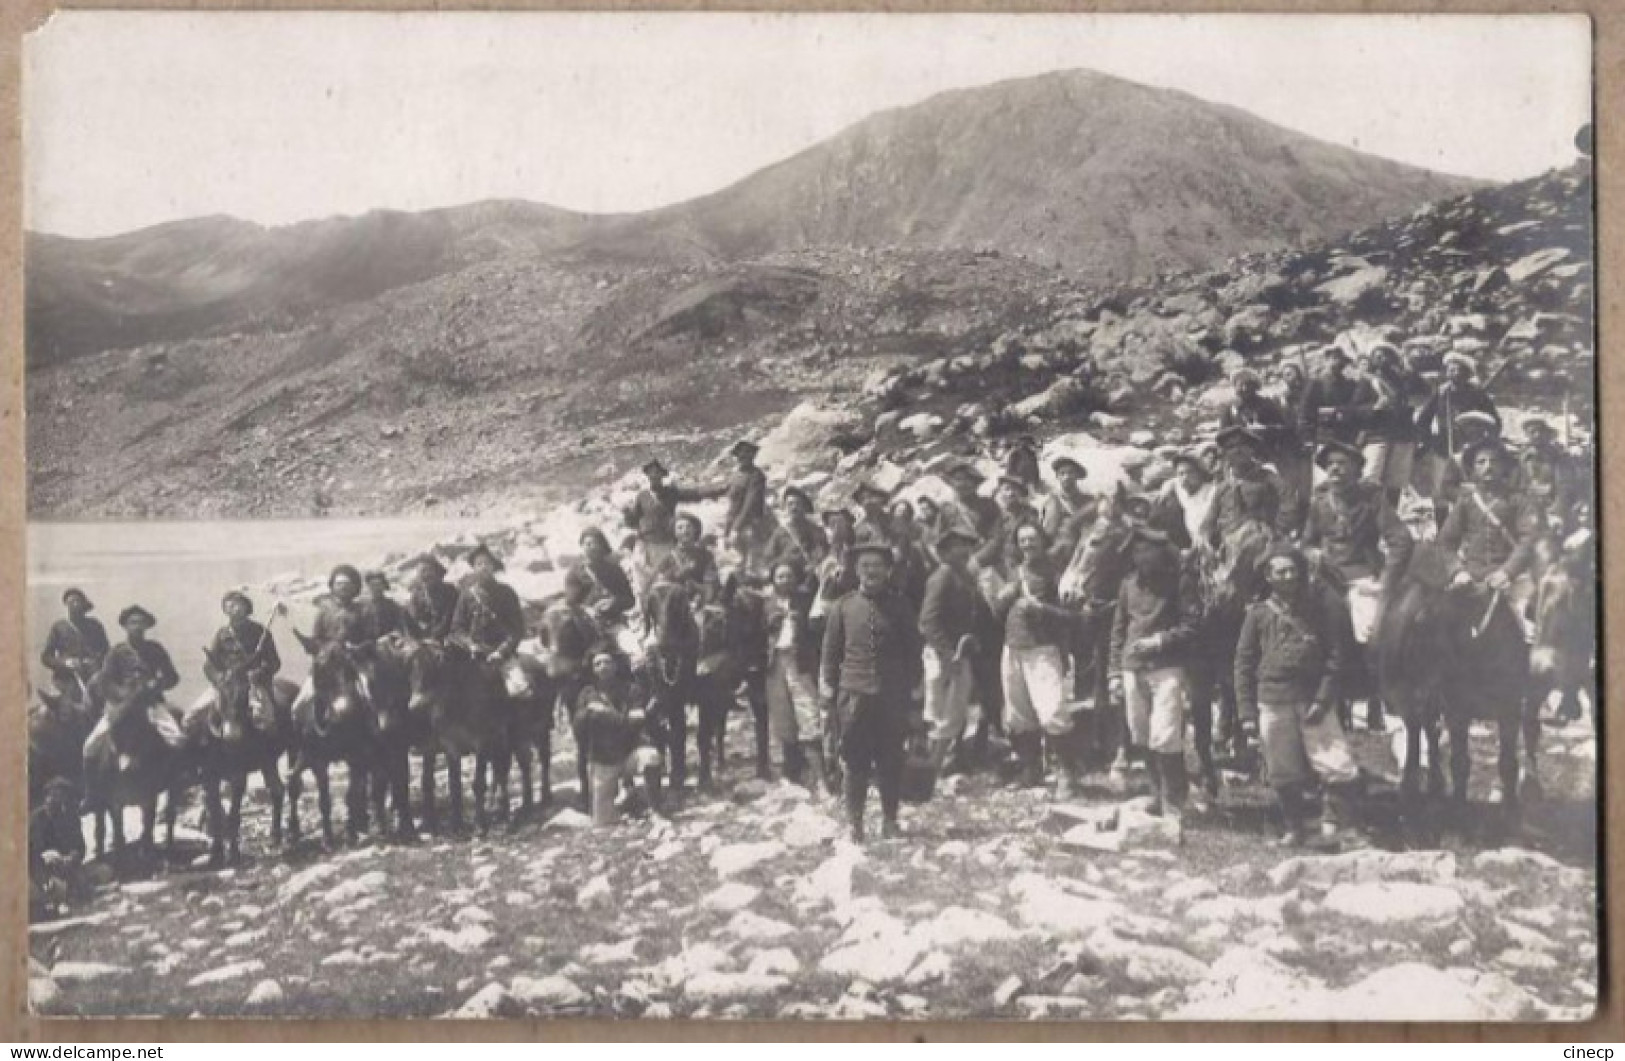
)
(605, 783)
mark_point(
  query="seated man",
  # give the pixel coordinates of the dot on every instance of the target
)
(1492, 529)
(75, 646)
(247, 647)
(489, 622)
(56, 847)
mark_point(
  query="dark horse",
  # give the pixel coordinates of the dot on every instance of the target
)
(242, 729)
(670, 670)
(338, 724)
(1453, 654)
(127, 761)
(459, 706)
(57, 728)
(732, 648)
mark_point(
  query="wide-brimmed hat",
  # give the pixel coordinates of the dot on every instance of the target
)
(1471, 452)
(1535, 423)
(429, 561)
(1069, 462)
(1011, 480)
(795, 491)
(872, 545)
(1334, 354)
(1283, 550)
(134, 612)
(1332, 446)
(867, 488)
(483, 550)
(75, 591)
(744, 445)
(689, 517)
(236, 594)
(652, 466)
(1456, 357)
(377, 576)
(957, 534)
(1192, 457)
(1139, 501)
(1244, 374)
(1476, 418)
(345, 570)
(1236, 434)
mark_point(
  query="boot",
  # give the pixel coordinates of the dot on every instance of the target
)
(940, 749)
(1030, 753)
(651, 789)
(764, 766)
(1291, 803)
(856, 796)
(1153, 766)
(1064, 748)
(813, 774)
(1376, 721)
(795, 764)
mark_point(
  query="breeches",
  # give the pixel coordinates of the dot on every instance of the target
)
(948, 686)
(793, 710)
(1292, 745)
(1157, 702)
(1035, 690)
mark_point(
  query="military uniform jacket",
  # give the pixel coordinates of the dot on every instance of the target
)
(1239, 500)
(86, 639)
(950, 611)
(1291, 655)
(872, 645)
(689, 565)
(1169, 607)
(1490, 532)
(348, 624)
(1265, 419)
(1351, 529)
(611, 589)
(488, 617)
(245, 646)
(127, 664)
(799, 540)
(747, 503)
(1441, 410)
(653, 513)
(430, 610)
(384, 616)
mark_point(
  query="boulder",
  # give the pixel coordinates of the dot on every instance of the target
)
(1396, 903)
(1347, 290)
(719, 986)
(749, 926)
(731, 896)
(86, 972)
(231, 971)
(957, 926)
(595, 892)
(733, 859)
(803, 440)
(933, 968)
(1249, 984)
(1043, 904)
(1417, 992)
(43, 994)
(366, 885)
(490, 1001)
(1365, 865)
(1532, 265)
(1142, 964)
(778, 961)
(1007, 991)
(267, 994)
(552, 992)
(875, 947)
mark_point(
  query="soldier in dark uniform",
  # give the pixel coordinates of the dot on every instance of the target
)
(1248, 492)
(1436, 423)
(56, 846)
(568, 633)
(746, 526)
(141, 667)
(1493, 529)
(1067, 511)
(798, 538)
(868, 674)
(342, 617)
(384, 613)
(690, 563)
(969, 510)
(246, 647)
(611, 600)
(1324, 412)
(75, 646)
(488, 621)
(653, 517)
(1279, 437)
(433, 602)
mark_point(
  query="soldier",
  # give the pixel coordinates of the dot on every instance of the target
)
(385, 615)
(433, 601)
(1493, 529)
(1458, 393)
(1324, 411)
(690, 563)
(1248, 492)
(1182, 506)
(1382, 409)
(1548, 473)
(798, 536)
(1154, 628)
(611, 600)
(869, 671)
(141, 667)
(247, 647)
(874, 521)
(75, 646)
(652, 516)
(1470, 429)
(747, 524)
(1067, 512)
(968, 509)
(950, 617)
(1360, 545)
(616, 735)
(340, 619)
(1038, 635)
(838, 573)
(912, 564)
(56, 846)
(1288, 663)
(489, 623)
(793, 707)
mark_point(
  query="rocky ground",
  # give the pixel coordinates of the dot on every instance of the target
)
(750, 903)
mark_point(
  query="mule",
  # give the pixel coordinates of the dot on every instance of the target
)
(459, 706)
(338, 724)
(731, 648)
(670, 667)
(57, 728)
(1562, 657)
(127, 762)
(240, 733)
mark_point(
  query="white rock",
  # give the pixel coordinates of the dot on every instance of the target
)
(1428, 867)
(1144, 964)
(733, 859)
(43, 994)
(569, 818)
(623, 953)
(831, 882)
(1043, 1007)
(746, 925)
(345, 957)
(1395, 903)
(1521, 958)
(667, 851)
(246, 938)
(549, 991)
(953, 849)
(1248, 984)
(469, 939)
(364, 886)
(85, 972)
(777, 961)
(719, 986)
(731, 896)
(1007, 991)
(934, 968)
(1515, 860)
(266, 993)
(875, 947)
(957, 926)
(1043, 904)
(305, 879)
(595, 892)
(808, 827)
(1417, 992)
(232, 971)
(492, 1000)
(144, 887)
(472, 915)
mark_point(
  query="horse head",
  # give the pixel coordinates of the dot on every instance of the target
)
(425, 667)
(671, 615)
(341, 692)
(389, 679)
(230, 718)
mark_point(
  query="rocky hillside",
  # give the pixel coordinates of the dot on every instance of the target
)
(1109, 178)
(519, 382)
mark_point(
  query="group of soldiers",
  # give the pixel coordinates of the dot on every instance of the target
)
(1078, 624)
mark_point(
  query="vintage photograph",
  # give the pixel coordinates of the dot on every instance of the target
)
(811, 516)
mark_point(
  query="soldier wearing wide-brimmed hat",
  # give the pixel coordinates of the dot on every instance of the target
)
(1492, 529)
(1248, 491)
(652, 517)
(1441, 431)
(488, 621)
(1067, 510)
(140, 667)
(75, 646)
(748, 522)
(242, 645)
(797, 537)
(433, 601)
(869, 670)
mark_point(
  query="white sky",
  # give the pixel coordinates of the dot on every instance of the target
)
(133, 118)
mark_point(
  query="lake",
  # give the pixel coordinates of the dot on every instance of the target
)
(178, 571)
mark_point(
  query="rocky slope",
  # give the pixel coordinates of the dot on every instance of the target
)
(517, 383)
(1110, 178)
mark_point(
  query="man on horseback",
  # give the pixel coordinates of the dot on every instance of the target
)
(690, 563)
(433, 602)
(1289, 660)
(1493, 530)
(569, 633)
(384, 613)
(610, 599)
(489, 622)
(75, 646)
(246, 647)
(1360, 544)
(141, 668)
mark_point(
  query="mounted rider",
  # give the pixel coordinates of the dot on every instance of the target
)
(433, 602)
(690, 563)
(488, 622)
(798, 537)
(652, 516)
(610, 599)
(141, 669)
(75, 647)
(384, 613)
(247, 648)
(1493, 530)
